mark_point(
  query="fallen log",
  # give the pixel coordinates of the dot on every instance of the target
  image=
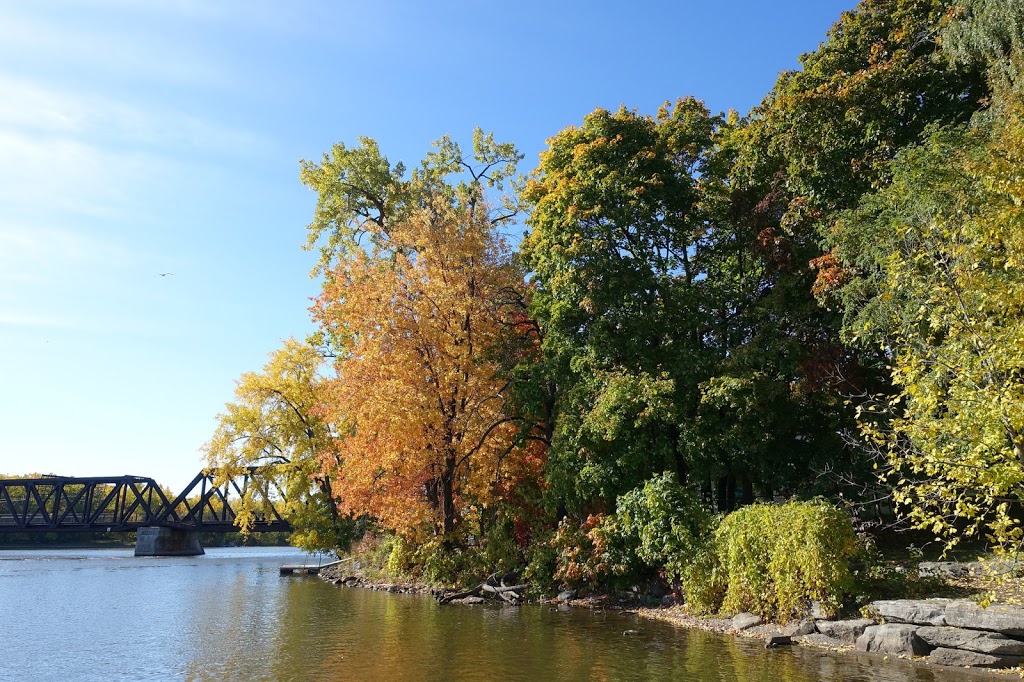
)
(499, 590)
(489, 590)
(446, 598)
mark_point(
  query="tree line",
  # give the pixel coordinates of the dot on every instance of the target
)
(821, 297)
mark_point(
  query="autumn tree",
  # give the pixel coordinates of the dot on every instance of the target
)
(274, 425)
(420, 301)
(831, 128)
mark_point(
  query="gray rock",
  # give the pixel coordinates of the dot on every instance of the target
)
(818, 639)
(1003, 618)
(919, 611)
(995, 568)
(893, 638)
(962, 658)
(777, 639)
(566, 595)
(973, 640)
(942, 569)
(799, 627)
(844, 630)
(470, 600)
(742, 621)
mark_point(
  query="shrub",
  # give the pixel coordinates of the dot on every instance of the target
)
(579, 559)
(773, 560)
(667, 524)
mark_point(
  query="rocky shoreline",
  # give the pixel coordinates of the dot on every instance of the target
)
(941, 632)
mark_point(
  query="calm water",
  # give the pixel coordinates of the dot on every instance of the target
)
(106, 615)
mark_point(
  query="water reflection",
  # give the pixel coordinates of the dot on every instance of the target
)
(324, 632)
(229, 616)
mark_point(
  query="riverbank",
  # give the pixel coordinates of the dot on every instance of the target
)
(985, 639)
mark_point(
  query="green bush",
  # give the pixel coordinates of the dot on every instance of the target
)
(774, 560)
(666, 524)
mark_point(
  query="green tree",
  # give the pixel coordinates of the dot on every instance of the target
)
(823, 137)
(873, 87)
(937, 281)
(989, 34)
(614, 224)
(928, 270)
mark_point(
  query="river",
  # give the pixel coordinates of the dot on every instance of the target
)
(228, 615)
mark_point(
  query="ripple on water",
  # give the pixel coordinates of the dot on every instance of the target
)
(229, 616)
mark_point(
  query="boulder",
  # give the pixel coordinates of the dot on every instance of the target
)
(566, 595)
(893, 638)
(844, 630)
(742, 621)
(777, 639)
(918, 611)
(962, 658)
(988, 569)
(973, 640)
(1003, 618)
(799, 627)
(820, 640)
(942, 569)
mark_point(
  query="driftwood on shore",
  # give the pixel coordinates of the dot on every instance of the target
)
(492, 588)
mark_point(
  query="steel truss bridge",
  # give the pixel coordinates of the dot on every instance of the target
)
(58, 504)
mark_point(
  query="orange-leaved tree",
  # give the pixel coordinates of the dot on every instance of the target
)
(422, 303)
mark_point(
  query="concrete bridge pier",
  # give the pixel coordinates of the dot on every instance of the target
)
(161, 541)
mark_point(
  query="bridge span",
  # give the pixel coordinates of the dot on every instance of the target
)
(119, 504)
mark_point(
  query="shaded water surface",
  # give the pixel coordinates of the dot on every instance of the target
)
(104, 614)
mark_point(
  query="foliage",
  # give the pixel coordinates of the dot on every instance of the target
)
(774, 559)
(988, 33)
(579, 559)
(667, 523)
(869, 90)
(273, 425)
(702, 301)
(422, 319)
(609, 253)
(360, 195)
(941, 286)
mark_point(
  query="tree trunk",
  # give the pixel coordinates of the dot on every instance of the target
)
(748, 491)
(682, 471)
(707, 492)
(448, 496)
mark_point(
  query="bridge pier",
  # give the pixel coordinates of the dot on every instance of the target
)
(162, 541)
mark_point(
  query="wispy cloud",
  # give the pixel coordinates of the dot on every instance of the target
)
(34, 107)
(49, 175)
(32, 252)
(147, 55)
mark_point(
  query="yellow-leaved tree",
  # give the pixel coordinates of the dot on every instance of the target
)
(273, 425)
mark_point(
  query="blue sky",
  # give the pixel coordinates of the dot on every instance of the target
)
(139, 138)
